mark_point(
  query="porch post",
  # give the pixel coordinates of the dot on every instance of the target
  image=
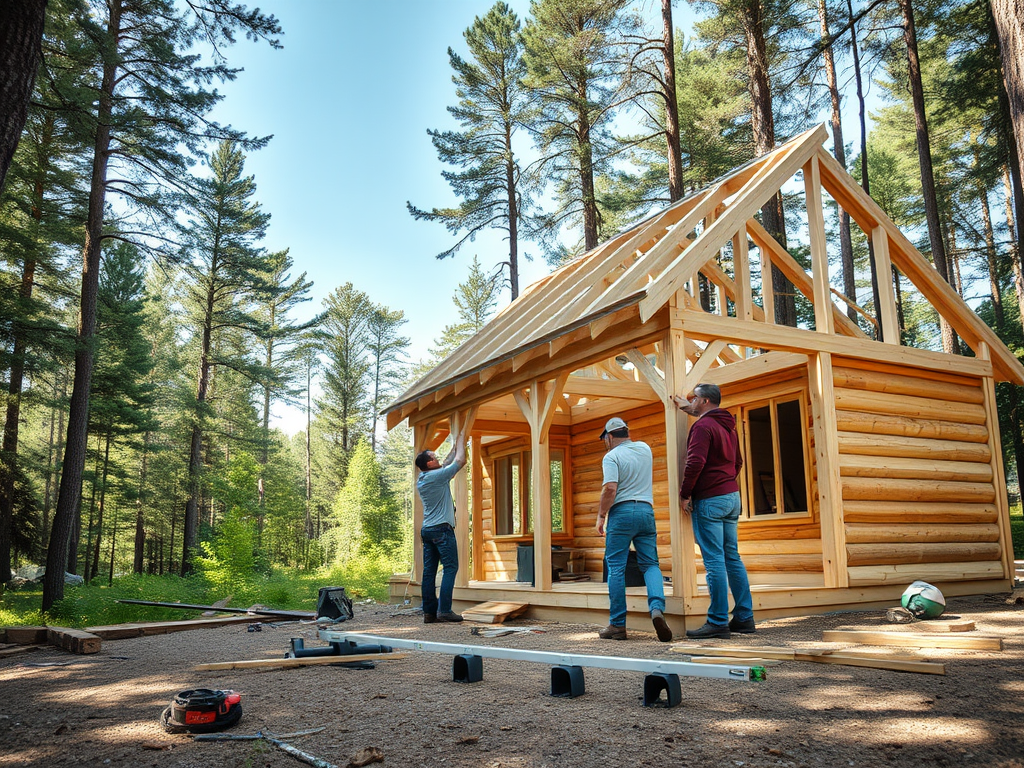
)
(477, 478)
(684, 563)
(421, 434)
(538, 407)
(460, 496)
(826, 454)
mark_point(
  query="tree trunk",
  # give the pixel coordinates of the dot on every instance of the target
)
(99, 516)
(1009, 22)
(21, 50)
(839, 150)
(78, 418)
(924, 153)
(864, 179)
(309, 454)
(190, 535)
(113, 545)
(138, 563)
(763, 125)
(513, 216)
(675, 154)
(586, 155)
(87, 574)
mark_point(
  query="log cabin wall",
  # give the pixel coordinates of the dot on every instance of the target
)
(918, 475)
(778, 548)
(647, 424)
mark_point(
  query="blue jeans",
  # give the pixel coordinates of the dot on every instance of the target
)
(632, 521)
(714, 526)
(439, 546)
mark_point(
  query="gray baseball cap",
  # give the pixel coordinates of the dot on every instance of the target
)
(613, 424)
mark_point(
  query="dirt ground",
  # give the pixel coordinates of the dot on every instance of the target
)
(104, 709)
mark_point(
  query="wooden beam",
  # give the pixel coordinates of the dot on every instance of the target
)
(591, 386)
(912, 640)
(306, 661)
(886, 297)
(476, 471)
(458, 421)
(823, 316)
(829, 485)
(421, 435)
(796, 274)
(755, 367)
(819, 656)
(681, 541)
(917, 268)
(703, 364)
(747, 202)
(648, 373)
(753, 334)
(998, 473)
(741, 267)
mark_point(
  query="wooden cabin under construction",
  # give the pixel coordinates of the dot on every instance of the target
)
(868, 464)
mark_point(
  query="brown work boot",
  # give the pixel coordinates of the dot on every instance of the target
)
(661, 626)
(611, 632)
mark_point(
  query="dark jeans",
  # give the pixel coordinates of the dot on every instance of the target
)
(439, 547)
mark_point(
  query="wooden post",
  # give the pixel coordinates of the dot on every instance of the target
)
(741, 267)
(767, 289)
(421, 434)
(477, 478)
(826, 450)
(823, 320)
(684, 562)
(460, 496)
(886, 298)
(538, 407)
(996, 460)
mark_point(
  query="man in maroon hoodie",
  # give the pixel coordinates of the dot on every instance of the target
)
(709, 486)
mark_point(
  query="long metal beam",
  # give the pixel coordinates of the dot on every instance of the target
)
(689, 669)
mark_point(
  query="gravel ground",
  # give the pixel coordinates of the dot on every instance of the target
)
(104, 709)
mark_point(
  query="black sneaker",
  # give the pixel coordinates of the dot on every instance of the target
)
(709, 631)
(745, 627)
(449, 616)
(429, 618)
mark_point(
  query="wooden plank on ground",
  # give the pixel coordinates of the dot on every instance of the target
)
(912, 639)
(944, 626)
(147, 628)
(11, 650)
(494, 612)
(309, 661)
(818, 656)
(24, 635)
(74, 640)
(734, 661)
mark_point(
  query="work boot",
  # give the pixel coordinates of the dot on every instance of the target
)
(429, 618)
(709, 631)
(611, 632)
(745, 627)
(661, 626)
(449, 616)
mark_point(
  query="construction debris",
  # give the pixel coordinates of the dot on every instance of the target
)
(257, 609)
(14, 649)
(276, 740)
(502, 631)
(365, 756)
(74, 640)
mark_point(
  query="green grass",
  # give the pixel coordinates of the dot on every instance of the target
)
(95, 604)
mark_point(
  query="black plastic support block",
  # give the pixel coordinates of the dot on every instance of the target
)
(567, 681)
(467, 668)
(655, 683)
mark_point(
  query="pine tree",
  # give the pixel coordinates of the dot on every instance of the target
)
(387, 353)
(366, 517)
(226, 272)
(151, 102)
(476, 299)
(576, 60)
(21, 36)
(493, 105)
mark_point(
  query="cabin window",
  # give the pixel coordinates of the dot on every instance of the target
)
(513, 501)
(775, 457)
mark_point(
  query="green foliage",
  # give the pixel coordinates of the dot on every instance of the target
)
(230, 555)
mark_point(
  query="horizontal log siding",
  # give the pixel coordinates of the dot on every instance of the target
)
(917, 486)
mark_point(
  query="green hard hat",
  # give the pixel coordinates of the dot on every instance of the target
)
(923, 600)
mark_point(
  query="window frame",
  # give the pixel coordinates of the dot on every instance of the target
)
(798, 393)
(522, 448)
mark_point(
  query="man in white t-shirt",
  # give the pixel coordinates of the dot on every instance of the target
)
(627, 504)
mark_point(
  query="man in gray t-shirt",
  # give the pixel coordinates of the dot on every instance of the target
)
(627, 503)
(438, 531)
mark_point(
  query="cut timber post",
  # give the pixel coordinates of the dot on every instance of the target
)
(684, 563)
(306, 661)
(996, 462)
(477, 480)
(818, 656)
(74, 640)
(826, 449)
(823, 320)
(421, 434)
(912, 640)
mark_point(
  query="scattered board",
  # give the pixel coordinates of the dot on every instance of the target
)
(74, 640)
(10, 651)
(734, 661)
(24, 635)
(944, 626)
(494, 612)
(147, 628)
(818, 656)
(308, 661)
(912, 639)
